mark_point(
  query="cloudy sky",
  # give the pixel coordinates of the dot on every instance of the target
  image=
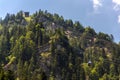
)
(102, 15)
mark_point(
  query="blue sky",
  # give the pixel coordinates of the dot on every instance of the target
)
(102, 15)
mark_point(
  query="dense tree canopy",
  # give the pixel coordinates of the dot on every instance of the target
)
(45, 46)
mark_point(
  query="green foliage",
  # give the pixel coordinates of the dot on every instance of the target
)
(44, 46)
(6, 75)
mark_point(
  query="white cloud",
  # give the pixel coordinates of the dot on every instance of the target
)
(119, 19)
(96, 4)
(117, 5)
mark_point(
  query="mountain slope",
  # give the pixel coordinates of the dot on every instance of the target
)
(45, 46)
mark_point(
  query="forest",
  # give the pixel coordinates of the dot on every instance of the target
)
(45, 46)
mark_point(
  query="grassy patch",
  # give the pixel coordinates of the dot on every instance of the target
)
(28, 19)
(45, 54)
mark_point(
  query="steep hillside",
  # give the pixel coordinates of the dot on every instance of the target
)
(45, 46)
